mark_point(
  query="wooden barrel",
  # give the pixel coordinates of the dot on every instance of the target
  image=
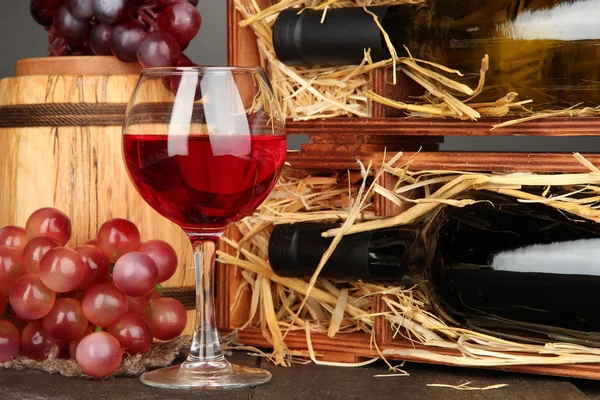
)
(60, 146)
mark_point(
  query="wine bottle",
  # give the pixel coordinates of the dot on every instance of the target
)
(523, 262)
(545, 50)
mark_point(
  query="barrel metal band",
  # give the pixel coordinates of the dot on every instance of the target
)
(88, 114)
(62, 114)
(185, 295)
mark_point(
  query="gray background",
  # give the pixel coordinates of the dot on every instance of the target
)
(21, 37)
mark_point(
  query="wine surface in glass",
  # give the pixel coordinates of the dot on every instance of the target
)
(204, 181)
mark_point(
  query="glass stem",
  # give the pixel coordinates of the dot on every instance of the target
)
(205, 352)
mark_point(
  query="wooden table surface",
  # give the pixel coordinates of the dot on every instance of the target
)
(312, 382)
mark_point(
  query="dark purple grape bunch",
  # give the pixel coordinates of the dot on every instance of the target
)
(153, 32)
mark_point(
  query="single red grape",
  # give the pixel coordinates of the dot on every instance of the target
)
(10, 341)
(63, 348)
(49, 222)
(133, 333)
(125, 39)
(33, 252)
(166, 3)
(103, 304)
(155, 294)
(118, 236)
(172, 83)
(97, 266)
(99, 355)
(35, 343)
(137, 304)
(4, 303)
(50, 4)
(81, 9)
(66, 320)
(167, 318)
(112, 12)
(73, 347)
(76, 294)
(100, 39)
(73, 30)
(164, 256)
(175, 80)
(30, 299)
(17, 321)
(74, 343)
(184, 61)
(182, 20)
(158, 49)
(43, 11)
(62, 269)
(79, 49)
(11, 267)
(135, 274)
(13, 236)
(42, 16)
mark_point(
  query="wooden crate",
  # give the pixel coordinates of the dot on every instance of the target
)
(336, 143)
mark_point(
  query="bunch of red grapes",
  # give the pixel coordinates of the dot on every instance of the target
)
(95, 303)
(153, 32)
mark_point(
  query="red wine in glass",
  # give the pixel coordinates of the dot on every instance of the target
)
(204, 153)
(194, 182)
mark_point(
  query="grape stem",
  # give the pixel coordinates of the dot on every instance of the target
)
(158, 288)
(147, 15)
(149, 9)
(57, 46)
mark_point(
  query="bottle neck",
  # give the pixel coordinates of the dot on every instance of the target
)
(295, 250)
(342, 37)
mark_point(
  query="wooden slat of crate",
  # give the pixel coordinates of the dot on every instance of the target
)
(372, 139)
(576, 126)
(358, 345)
(460, 161)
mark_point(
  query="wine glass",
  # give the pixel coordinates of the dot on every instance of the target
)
(204, 146)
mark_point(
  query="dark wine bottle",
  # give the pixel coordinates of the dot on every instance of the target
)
(296, 249)
(522, 262)
(545, 50)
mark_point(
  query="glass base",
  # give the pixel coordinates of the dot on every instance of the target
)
(205, 376)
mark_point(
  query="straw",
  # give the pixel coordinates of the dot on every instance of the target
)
(319, 306)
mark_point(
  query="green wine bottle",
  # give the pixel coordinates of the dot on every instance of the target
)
(545, 50)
